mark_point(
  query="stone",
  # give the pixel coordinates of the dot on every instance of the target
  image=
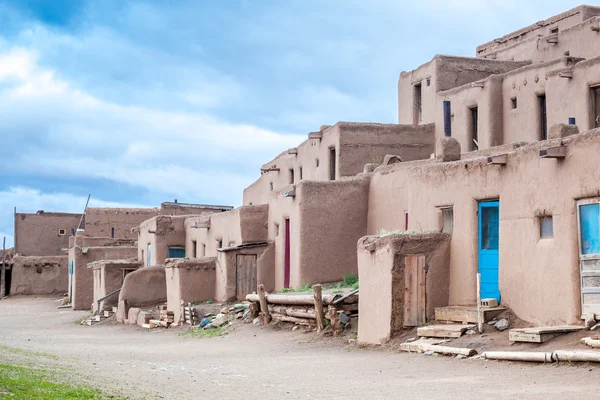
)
(502, 324)
(295, 328)
(410, 340)
(559, 131)
(590, 321)
(256, 321)
(132, 315)
(460, 356)
(351, 341)
(344, 318)
(224, 310)
(122, 310)
(219, 320)
(245, 315)
(493, 322)
(144, 317)
(447, 149)
(429, 353)
(470, 332)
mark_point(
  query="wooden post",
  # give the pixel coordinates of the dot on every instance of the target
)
(3, 270)
(319, 307)
(263, 304)
(333, 317)
(479, 312)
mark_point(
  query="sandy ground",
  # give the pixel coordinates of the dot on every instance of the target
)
(265, 363)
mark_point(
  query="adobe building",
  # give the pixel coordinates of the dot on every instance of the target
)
(44, 233)
(108, 277)
(521, 202)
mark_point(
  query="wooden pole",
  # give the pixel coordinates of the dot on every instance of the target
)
(318, 293)
(518, 356)
(3, 270)
(84, 210)
(479, 312)
(263, 304)
(295, 299)
(333, 317)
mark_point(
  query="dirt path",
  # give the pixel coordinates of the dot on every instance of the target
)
(257, 362)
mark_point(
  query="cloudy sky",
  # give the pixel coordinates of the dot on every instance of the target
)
(139, 102)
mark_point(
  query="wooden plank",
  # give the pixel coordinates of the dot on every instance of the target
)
(466, 314)
(444, 331)
(531, 337)
(411, 302)
(263, 305)
(415, 347)
(422, 312)
(551, 329)
(318, 293)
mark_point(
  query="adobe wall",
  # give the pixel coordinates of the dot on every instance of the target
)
(39, 275)
(523, 44)
(189, 280)
(381, 265)
(498, 121)
(160, 233)
(81, 285)
(440, 74)
(99, 222)
(38, 234)
(145, 287)
(532, 270)
(108, 277)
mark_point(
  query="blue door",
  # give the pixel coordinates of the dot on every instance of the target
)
(489, 229)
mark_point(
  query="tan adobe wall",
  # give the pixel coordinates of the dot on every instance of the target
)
(524, 37)
(38, 234)
(355, 144)
(108, 277)
(381, 271)
(81, 282)
(443, 73)
(39, 275)
(326, 220)
(189, 280)
(160, 232)
(499, 123)
(532, 271)
(145, 287)
(99, 222)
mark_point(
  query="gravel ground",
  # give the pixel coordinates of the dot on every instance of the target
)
(262, 362)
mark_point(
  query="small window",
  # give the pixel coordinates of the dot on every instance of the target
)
(194, 249)
(300, 173)
(203, 250)
(271, 185)
(406, 220)
(546, 227)
(317, 162)
(553, 31)
(176, 252)
(513, 103)
(428, 81)
(291, 176)
(448, 220)
(220, 244)
(112, 233)
(62, 232)
(276, 229)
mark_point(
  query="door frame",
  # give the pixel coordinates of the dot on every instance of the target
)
(583, 257)
(287, 256)
(480, 205)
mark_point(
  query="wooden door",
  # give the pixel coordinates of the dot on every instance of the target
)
(589, 256)
(287, 255)
(414, 290)
(246, 275)
(595, 106)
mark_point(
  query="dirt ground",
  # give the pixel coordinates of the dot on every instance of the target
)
(262, 362)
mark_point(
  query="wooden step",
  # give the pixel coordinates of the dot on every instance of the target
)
(444, 331)
(541, 334)
(466, 314)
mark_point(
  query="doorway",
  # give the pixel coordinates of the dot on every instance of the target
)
(474, 145)
(589, 255)
(287, 256)
(488, 245)
(246, 275)
(543, 117)
(414, 291)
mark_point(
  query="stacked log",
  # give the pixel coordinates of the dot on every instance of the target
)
(304, 309)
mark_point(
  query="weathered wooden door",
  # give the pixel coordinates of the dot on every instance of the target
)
(589, 255)
(414, 290)
(246, 275)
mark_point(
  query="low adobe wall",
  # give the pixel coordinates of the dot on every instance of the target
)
(189, 280)
(39, 275)
(108, 277)
(381, 269)
(145, 287)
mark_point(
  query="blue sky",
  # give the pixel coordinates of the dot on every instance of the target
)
(139, 102)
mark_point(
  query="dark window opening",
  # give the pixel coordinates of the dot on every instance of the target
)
(595, 107)
(448, 220)
(543, 117)
(176, 252)
(220, 244)
(194, 249)
(546, 227)
(428, 81)
(553, 31)
(62, 232)
(406, 220)
(203, 250)
(513, 103)
(332, 162)
(276, 229)
(300, 173)
(7, 281)
(291, 175)
(418, 104)
(317, 162)
(112, 233)
(127, 272)
(271, 185)
(474, 145)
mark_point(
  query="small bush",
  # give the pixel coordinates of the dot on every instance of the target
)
(305, 288)
(355, 286)
(287, 290)
(350, 279)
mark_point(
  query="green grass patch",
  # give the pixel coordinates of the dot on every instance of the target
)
(206, 333)
(23, 352)
(350, 279)
(28, 382)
